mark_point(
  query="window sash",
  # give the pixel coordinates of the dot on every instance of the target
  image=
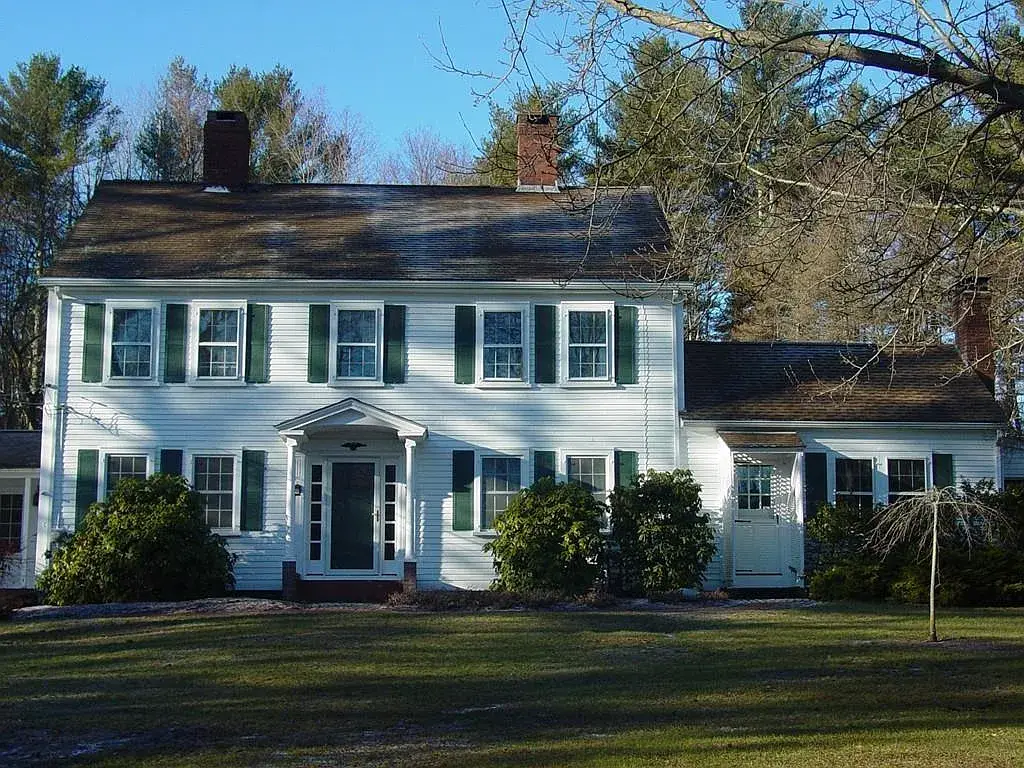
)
(588, 344)
(121, 466)
(213, 478)
(906, 478)
(754, 486)
(356, 353)
(503, 347)
(10, 521)
(592, 473)
(218, 352)
(501, 479)
(131, 343)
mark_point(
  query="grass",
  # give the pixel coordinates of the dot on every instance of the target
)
(814, 687)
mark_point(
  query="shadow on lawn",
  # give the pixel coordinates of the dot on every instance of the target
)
(495, 680)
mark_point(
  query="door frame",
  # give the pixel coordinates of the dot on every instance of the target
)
(782, 578)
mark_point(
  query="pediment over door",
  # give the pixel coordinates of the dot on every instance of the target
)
(350, 413)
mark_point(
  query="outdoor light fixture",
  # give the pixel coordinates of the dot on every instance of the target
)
(298, 489)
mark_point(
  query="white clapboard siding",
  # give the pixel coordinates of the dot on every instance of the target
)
(707, 456)
(637, 418)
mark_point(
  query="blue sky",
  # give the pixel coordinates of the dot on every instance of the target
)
(373, 58)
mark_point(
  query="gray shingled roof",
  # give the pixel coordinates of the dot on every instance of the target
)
(362, 232)
(805, 382)
(20, 449)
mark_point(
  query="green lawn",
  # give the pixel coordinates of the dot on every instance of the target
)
(832, 686)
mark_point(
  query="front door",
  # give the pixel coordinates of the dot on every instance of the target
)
(353, 540)
(757, 544)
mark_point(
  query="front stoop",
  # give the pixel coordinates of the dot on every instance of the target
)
(765, 593)
(346, 591)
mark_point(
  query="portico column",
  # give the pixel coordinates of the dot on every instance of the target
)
(290, 501)
(409, 571)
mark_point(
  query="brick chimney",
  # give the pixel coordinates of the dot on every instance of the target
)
(973, 328)
(537, 153)
(226, 143)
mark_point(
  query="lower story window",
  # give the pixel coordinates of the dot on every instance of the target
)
(854, 487)
(121, 467)
(501, 481)
(906, 478)
(214, 480)
(590, 472)
(10, 522)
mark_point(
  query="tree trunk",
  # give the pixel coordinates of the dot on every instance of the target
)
(933, 636)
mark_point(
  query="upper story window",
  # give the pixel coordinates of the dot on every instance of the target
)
(906, 478)
(357, 344)
(131, 343)
(219, 343)
(854, 486)
(126, 350)
(357, 337)
(753, 486)
(502, 333)
(587, 343)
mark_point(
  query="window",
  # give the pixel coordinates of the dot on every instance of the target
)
(10, 522)
(357, 344)
(120, 467)
(214, 479)
(503, 346)
(754, 486)
(906, 478)
(587, 344)
(501, 481)
(854, 486)
(219, 342)
(591, 472)
(131, 343)
(357, 341)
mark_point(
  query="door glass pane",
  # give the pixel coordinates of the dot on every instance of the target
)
(352, 516)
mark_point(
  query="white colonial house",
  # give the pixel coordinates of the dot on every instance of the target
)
(356, 379)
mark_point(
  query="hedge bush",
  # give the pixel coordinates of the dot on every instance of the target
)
(148, 541)
(548, 539)
(661, 539)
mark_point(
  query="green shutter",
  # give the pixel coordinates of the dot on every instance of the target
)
(252, 489)
(174, 343)
(815, 482)
(171, 461)
(86, 483)
(394, 344)
(257, 338)
(942, 470)
(625, 345)
(92, 349)
(543, 465)
(544, 344)
(465, 345)
(319, 338)
(625, 468)
(463, 470)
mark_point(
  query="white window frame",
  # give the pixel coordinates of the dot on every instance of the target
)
(609, 474)
(908, 494)
(236, 482)
(193, 344)
(148, 453)
(356, 381)
(479, 484)
(108, 344)
(524, 315)
(608, 307)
